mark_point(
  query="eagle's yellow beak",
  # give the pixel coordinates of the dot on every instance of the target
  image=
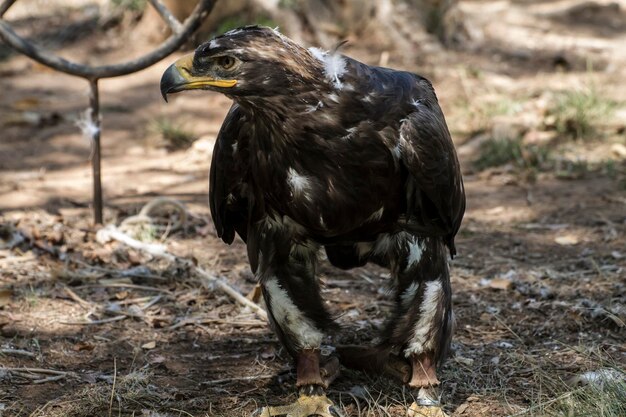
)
(178, 77)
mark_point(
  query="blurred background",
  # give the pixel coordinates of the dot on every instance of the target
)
(535, 98)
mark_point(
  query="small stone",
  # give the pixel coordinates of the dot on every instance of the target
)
(567, 240)
(618, 150)
(464, 361)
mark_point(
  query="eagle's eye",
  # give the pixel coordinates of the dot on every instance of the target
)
(226, 62)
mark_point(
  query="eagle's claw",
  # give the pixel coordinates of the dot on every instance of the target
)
(305, 406)
(426, 404)
(416, 410)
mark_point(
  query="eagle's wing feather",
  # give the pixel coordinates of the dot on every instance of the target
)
(227, 187)
(435, 192)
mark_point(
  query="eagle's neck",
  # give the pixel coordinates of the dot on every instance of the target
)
(297, 118)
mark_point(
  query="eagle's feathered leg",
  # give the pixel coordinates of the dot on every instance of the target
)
(298, 317)
(421, 325)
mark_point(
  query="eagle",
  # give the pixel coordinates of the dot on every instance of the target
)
(322, 152)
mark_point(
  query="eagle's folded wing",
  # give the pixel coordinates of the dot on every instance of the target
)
(227, 187)
(435, 192)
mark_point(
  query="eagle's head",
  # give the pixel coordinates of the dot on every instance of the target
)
(246, 64)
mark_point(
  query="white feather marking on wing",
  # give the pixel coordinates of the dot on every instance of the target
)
(300, 184)
(377, 215)
(428, 310)
(311, 109)
(350, 133)
(288, 316)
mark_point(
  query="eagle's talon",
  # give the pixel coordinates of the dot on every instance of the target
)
(427, 404)
(417, 410)
(304, 406)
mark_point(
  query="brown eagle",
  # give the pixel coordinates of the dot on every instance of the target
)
(320, 150)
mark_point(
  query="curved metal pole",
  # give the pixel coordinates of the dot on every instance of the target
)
(94, 102)
(5, 6)
(201, 11)
(180, 33)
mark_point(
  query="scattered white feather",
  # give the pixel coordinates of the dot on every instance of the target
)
(87, 125)
(416, 248)
(318, 53)
(599, 377)
(214, 44)
(334, 65)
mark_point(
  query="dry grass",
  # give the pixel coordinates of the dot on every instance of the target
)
(174, 135)
(131, 391)
(579, 114)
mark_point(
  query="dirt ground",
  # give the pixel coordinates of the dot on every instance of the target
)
(539, 283)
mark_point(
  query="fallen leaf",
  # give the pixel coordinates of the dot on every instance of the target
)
(5, 296)
(27, 103)
(567, 240)
(149, 345)
(268, 353)
(619, 150)
(500, 284)
(496, 210)
(121, 295)
(461, 408)
(83, 346)
(255, 295)
(157, 359)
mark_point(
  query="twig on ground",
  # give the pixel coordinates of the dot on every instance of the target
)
(95, 322)
(134, 300)
(31, 373)
(237, 379)
(151, 302)
(113, 388)
(132, 286)
(131, 272)
(17, 352)
(76, 298)
(49, 379)
(36, 371)
(110, 232)
(227, 289)
(200, 321)
(16, 259)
